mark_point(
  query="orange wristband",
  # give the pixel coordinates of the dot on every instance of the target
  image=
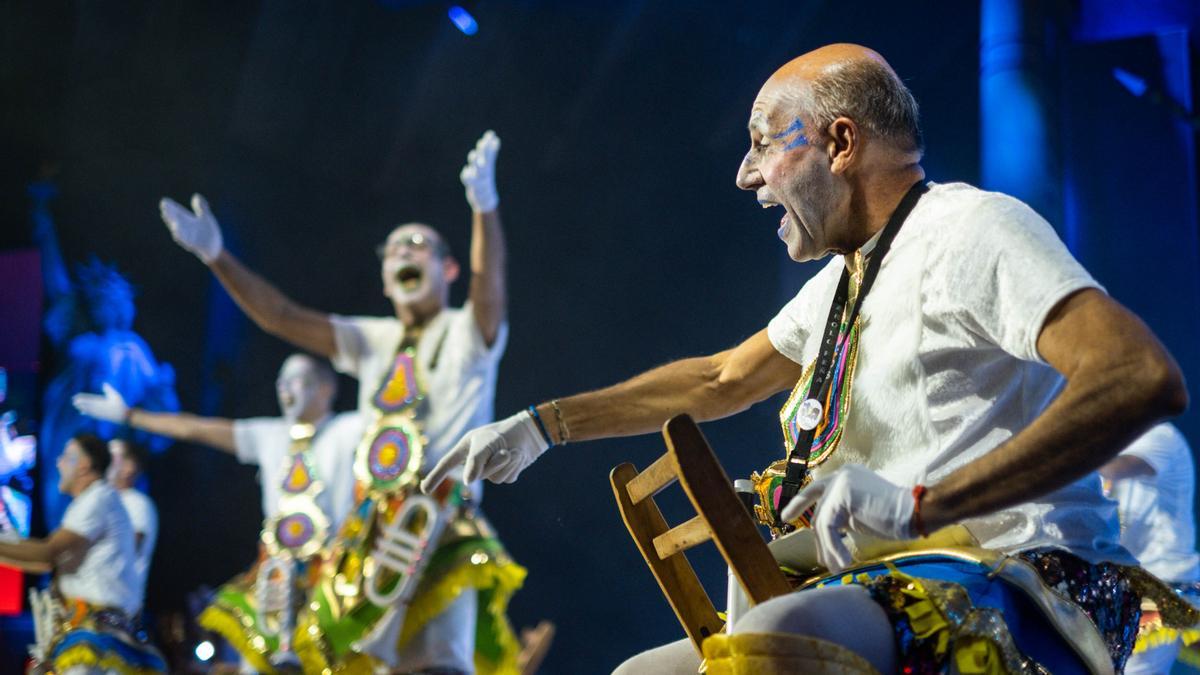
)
(918, 492)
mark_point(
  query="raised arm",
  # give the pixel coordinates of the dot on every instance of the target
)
(55, 279)
(707, 388)
(197, 231)
(215, 432)
(488, 292)
(1120, 380)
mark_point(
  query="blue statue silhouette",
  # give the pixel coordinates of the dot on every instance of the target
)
(89, 323)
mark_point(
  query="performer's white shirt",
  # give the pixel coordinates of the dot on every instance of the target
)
(144, 519)
(267, 441)
(458, 366)
(459, 370)
(1157, 524)
(948, 367)
(106, 574)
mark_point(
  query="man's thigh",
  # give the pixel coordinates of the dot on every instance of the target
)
(844, 615)
(676, 658)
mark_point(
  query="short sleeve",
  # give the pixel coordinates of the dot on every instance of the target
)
(249, 435)
(1163, 447)
(468, 338)
(85, 516)
(1006, 269)
(788, 331)
(141, 513)
(356, 338)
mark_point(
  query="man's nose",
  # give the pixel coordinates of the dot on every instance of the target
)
(748, 177)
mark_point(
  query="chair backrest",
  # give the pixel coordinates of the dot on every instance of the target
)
(720, 516)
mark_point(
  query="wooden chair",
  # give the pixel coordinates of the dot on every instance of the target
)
(720, 516)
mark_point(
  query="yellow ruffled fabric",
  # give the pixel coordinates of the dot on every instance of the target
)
(503, 579)
(780, 654)
(230, 627)
(1164, 635)
(86, 657)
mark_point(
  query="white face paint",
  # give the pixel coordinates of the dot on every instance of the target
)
(68, 465)
(412, 265)
(783, 169)
(298, 389)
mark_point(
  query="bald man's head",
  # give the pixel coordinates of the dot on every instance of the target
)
(852, 81)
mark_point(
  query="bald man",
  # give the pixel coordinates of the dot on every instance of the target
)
(950, 364)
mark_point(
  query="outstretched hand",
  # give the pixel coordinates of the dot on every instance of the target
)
(479, 175)
(499, 452)
(196, 230)
(110, 407)
(852, 499)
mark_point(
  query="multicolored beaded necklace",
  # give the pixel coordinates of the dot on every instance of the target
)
(815, 413)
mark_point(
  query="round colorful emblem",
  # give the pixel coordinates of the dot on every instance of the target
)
(390, 455)
(294, 530)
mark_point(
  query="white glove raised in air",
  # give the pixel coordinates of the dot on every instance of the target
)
(479, 175)
(195, 230)
(499, 452)
(852, 499)
(110, 407)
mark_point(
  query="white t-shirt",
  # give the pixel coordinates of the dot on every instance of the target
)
(462, 383)
(266, 442)
(1157, 525)
(106, 573)
(144, 519)
(948, 366)
(460, 372)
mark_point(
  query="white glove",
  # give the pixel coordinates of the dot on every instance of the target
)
(110, 407)
(479, 175)
(852, 499)
(499, 452)
(195, 230)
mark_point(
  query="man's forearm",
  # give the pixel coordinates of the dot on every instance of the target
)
(489, 259)
(31, 555)
(1094, 418)
(211, 431)
(270, 309)
(707, 388)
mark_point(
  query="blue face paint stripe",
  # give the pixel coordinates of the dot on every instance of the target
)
(799, 141)
(795, 128)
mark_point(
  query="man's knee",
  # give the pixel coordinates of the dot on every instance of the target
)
(675, 658)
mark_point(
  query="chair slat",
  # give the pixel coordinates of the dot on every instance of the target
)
(682, 537)
(650, 482)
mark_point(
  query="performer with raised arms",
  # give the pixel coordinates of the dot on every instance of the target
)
(412, 583)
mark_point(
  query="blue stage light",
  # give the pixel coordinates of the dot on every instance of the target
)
(1134, 84)
(463, 20)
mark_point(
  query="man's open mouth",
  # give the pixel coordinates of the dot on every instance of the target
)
(409, 277)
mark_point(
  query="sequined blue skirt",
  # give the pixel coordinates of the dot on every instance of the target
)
(1003, 612)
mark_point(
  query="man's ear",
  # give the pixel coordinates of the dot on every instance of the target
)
(450, 269)
(845, 140)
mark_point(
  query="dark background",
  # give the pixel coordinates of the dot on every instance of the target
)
(314, 127)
